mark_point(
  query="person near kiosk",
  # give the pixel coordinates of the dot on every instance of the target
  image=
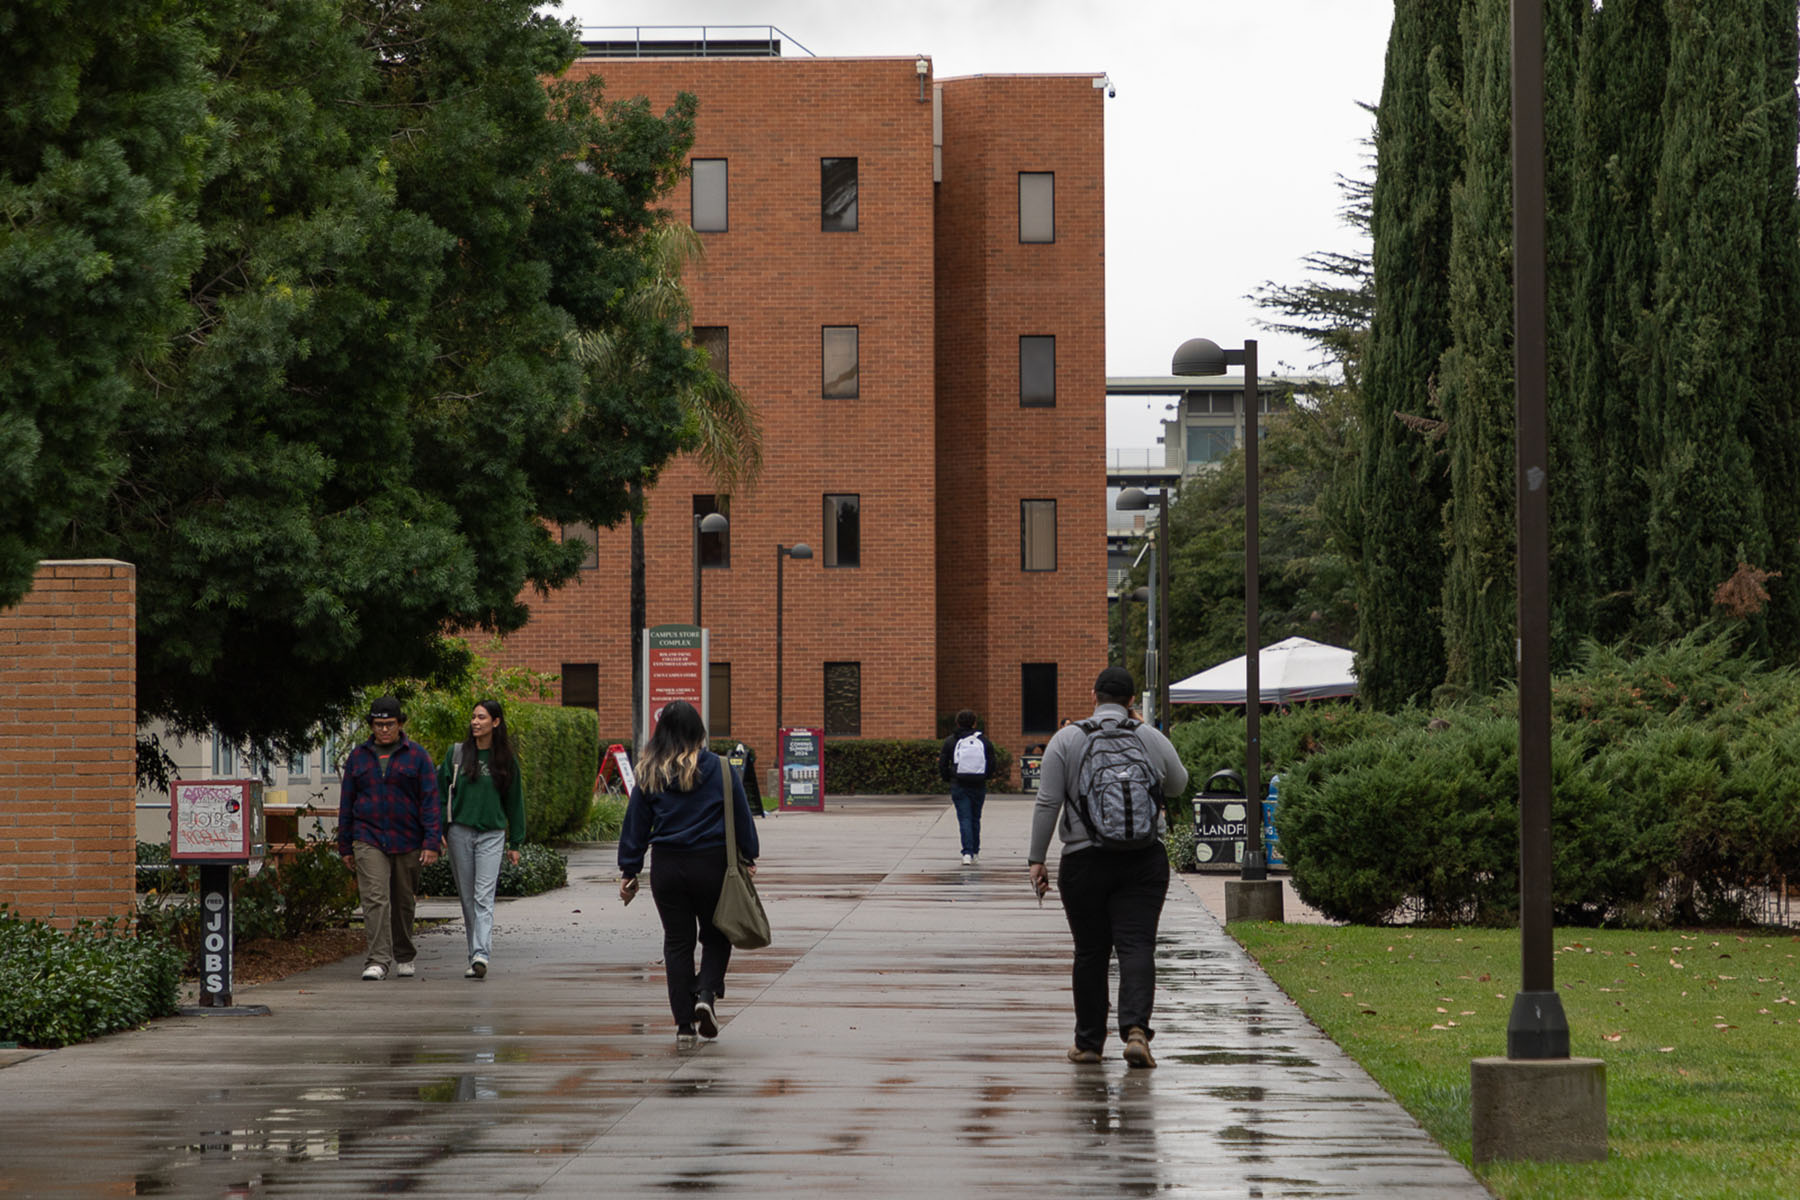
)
(390, 824)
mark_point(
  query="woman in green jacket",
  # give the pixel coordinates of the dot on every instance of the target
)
(484, 816)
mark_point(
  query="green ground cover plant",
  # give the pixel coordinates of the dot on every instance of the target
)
(539, 869)
(1700, 1033)
(58, 988)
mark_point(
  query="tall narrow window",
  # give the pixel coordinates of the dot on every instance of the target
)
(224, 757)
(1037, 371)
(575, 532)
(1037, 206)
(1037, 698)
(297, 765)
(837, 195)
(716, 341)
(843, 699)
(581, 685)
(718, 692)
(843, 531)
(715, 548)
(838, 357)
(1037, 535)
(711, 196)
(331, 756)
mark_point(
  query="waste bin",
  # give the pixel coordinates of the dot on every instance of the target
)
(1219, 822)
(1031, 767)
(1271, 838)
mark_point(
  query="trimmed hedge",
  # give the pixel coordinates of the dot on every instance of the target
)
(59, 988)
(1674, 777)
(890, 767)
(558, 748)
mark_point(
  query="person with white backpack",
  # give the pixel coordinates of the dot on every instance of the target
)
(1101, 791)
(967, 762)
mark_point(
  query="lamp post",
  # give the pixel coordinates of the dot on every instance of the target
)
(712, 522)
(1138, 500)
(1139, 594)
(782, 553)
(1260, 899)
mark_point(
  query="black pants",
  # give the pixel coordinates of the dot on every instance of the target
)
(1113, 899)
(686, 887)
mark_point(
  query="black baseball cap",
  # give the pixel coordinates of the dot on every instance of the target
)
(1115, 681)
(385, 709)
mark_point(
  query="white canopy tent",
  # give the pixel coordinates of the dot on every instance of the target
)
(1290, 670)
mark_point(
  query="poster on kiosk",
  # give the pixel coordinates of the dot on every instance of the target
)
(675, 668)
(802, 770)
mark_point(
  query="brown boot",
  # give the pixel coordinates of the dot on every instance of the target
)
(1137, 1048)
(1078, 1055)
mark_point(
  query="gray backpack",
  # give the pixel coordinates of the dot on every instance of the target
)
(1118, 795)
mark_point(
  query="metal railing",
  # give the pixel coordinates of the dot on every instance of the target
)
(686, 41)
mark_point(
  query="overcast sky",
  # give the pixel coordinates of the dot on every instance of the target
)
(1233, 120)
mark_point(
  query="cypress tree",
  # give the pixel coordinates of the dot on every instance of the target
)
(1624, 65)
(1476, 390)
(1705, 510)
(1772, 428)
(1400, 655)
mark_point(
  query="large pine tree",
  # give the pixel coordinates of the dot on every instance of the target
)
(1400, 655)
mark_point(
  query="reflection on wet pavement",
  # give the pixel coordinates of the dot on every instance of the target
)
(903, 1037)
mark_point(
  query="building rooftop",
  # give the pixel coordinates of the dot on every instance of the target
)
(686, 41)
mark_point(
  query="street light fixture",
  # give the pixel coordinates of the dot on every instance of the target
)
(1138, 500)
(1202, 356)
(712, 522)
(782, 554)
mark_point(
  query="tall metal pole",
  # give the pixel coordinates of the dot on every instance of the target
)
(1254, 867)
(696, 570)
(780, 557)
(1537, 1027)
(1162, 608)
(1152, 624)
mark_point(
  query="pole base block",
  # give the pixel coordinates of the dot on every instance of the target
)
(1252, 900)
(1538, 1109)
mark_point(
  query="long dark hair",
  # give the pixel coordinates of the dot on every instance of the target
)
(672, 757)
(500, 756)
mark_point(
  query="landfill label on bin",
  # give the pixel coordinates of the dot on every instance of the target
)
(1220, 829)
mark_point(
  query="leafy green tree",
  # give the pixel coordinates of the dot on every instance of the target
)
(1399, 551)
(373, 402)
(1307, 584)
(103, 136)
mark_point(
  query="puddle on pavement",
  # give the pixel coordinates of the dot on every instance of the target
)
(1226, 1058)
(1250, 1095)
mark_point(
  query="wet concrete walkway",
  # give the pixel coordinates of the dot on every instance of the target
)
(903, 1037)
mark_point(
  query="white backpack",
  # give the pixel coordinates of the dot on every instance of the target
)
(970, 756)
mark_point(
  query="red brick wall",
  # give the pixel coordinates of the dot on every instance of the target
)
(993, 616)
(68, 728)
(773, 279)
(939, 614)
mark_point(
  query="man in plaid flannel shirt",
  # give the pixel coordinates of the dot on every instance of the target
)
(390, 824)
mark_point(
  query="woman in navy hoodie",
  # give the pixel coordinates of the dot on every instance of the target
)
(678, 808)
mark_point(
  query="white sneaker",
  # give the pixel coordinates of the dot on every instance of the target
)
(375, 972)
(477, 969)
(406, 970)
(968, 860)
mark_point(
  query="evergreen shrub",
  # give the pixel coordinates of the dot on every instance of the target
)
(891, 767)
(59, 988)
(540, 869)
(1674, 773)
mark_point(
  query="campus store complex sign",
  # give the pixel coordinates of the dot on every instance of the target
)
(675, 658)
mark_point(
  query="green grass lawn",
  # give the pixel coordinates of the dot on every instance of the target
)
(1700, 1033)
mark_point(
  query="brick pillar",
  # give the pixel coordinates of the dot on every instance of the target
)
(68, 743)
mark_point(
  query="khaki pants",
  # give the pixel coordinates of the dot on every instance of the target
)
(389, 885)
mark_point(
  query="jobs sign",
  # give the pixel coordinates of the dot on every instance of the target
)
(215, 820)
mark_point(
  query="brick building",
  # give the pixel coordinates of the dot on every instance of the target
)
(906, 278)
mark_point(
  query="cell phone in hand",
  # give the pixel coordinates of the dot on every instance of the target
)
(631, 892)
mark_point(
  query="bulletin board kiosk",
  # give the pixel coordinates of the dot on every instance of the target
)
(216, 824)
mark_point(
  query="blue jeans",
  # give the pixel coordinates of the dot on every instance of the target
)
(475, 861)
(968, 801)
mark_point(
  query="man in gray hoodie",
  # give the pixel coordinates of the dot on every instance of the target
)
(1112, 885)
